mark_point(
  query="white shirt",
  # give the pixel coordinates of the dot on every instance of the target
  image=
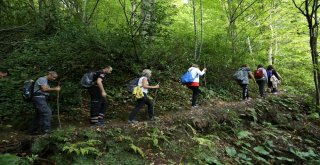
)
(196, 73)
(144, 90)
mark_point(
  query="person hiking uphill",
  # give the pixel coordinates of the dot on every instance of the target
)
(98, 97)
(245, 82)
(261, 78)
(144, 84)
(41, 122)
(272, 85)
(194, 86)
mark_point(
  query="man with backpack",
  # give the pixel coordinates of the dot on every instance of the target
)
(41, 122)
(261, 78)
(98, 96)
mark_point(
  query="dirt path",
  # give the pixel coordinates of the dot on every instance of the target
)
(13, 140)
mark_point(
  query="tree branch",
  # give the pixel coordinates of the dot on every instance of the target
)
(299, 7)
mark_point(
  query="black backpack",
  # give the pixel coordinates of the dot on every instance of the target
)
(27, 90)
(132, 84)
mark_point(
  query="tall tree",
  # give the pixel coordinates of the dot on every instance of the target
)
(309, 8)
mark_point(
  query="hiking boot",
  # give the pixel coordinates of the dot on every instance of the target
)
(133, 121)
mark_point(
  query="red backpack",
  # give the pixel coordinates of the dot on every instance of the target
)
(258, 74)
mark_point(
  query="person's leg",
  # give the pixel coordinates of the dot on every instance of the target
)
(102, 111)
(195, 94)
(261, 87)
(45, 113)
(245, 91)
(36, 119)
(140, 104)
(95, 107)
(150, 107)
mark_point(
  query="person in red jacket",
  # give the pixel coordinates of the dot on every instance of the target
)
(194, 86)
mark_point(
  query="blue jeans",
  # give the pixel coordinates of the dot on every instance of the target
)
(140, 104)
(42, 116)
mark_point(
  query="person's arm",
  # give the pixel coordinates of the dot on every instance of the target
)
(100, 85)
(146, 86)
(45, 88)
(251, 75)
(200, 73)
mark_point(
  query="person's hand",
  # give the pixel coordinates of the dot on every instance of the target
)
(157, 86)
(204, 69)
(57, 88)
(104, 94)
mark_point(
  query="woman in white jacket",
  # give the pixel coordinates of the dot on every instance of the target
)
(194, 86)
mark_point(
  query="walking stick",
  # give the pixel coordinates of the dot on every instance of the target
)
(204, 77)
(58, 107)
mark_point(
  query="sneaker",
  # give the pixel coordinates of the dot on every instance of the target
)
(101, 121)
(47, 131)
(154, 118)
(133, 121)
(195, 106)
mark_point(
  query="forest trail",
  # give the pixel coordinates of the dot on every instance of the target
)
(13, 140)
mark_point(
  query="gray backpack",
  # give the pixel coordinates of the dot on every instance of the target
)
(239, 76)
(87, 79)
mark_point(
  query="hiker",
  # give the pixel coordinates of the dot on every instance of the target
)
(245, 82)
(144, 84)
(194, 86)
(272, 72)
(41, 122)
(3, 73)
(98, 97)
(261, 78)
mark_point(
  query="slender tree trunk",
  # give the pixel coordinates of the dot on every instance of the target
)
(201, 29)
(84, 11)
(195, 29)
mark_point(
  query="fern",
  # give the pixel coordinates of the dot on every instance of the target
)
(137, 149)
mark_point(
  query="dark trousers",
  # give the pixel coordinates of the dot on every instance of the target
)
(140, 104)
(245, 91)
(98, 105)
(261, 84)
(195, 93)
(42, 116)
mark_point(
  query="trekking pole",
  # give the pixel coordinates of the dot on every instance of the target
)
(204, 77)
(58, 107)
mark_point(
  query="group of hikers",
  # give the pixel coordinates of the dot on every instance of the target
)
(41, 123)
(261, 76)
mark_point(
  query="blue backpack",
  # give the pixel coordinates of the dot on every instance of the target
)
(187, 78)
(269, 73)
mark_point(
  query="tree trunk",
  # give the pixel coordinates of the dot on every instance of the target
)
(195, 29)
(201, 30)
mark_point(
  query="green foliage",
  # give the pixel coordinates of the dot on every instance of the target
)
(9, 159)
(83, 148)
(137, 150)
